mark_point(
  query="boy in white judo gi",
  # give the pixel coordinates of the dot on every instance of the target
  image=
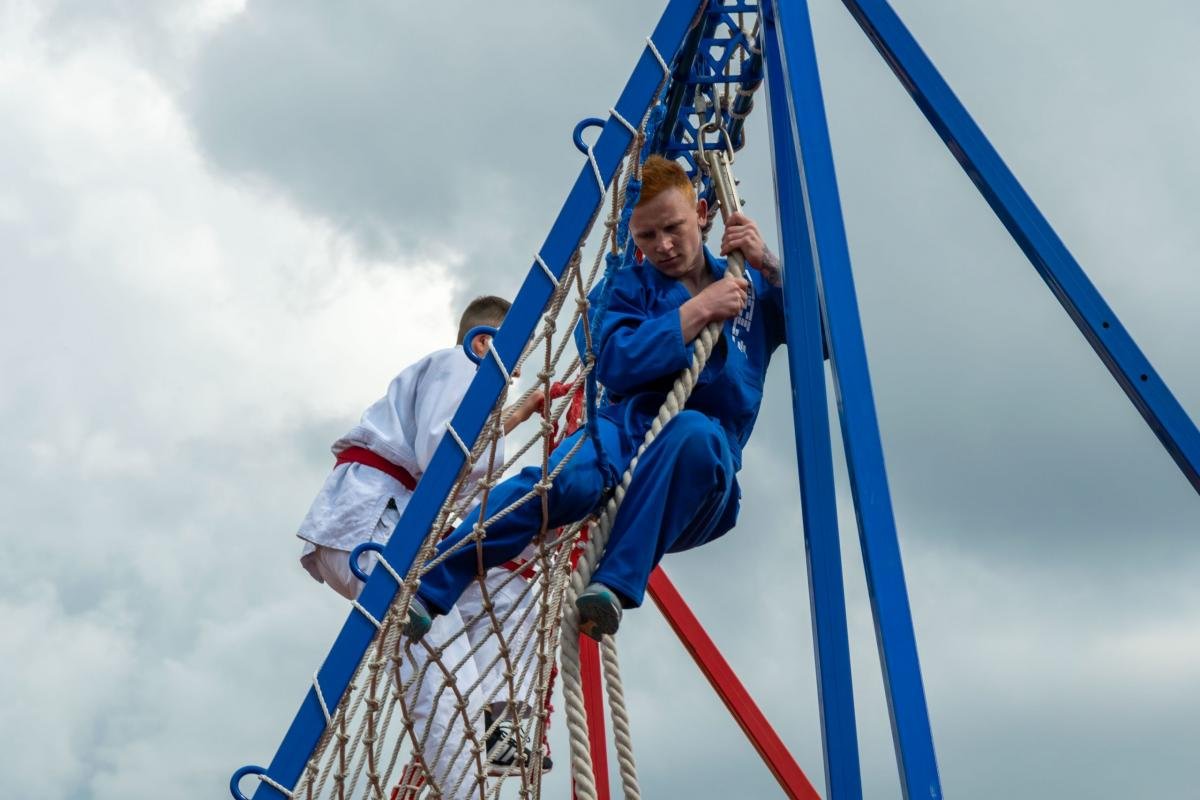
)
(379, 462)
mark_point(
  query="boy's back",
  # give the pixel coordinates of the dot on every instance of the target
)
(404, 428)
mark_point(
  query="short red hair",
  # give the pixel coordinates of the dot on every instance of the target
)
(660, 174)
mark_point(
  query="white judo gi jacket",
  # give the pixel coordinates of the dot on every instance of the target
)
(404, 427)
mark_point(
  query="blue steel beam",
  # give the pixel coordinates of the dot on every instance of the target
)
(581, 204)
(700, 68)
(814, 455)
(1049, 256)
(911, 730)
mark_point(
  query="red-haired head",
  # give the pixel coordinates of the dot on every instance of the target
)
(667, 220)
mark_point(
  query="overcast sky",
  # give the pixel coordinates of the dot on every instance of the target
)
(224, 226)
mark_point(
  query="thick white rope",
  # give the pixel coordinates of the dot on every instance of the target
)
(675, 402)
(619, 715)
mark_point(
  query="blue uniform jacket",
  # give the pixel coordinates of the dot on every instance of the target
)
(640, 351)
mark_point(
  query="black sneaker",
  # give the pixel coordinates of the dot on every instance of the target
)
(502, 750)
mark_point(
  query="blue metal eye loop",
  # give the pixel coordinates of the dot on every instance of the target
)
(250, 769)
(376, 547)
(584, 124)
(471, 334)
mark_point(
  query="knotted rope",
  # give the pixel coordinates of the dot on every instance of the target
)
(581, 761)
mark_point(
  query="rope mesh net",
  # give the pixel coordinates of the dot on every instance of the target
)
(464, 711)
(418, 717)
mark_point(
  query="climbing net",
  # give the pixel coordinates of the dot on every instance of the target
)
(455, 713)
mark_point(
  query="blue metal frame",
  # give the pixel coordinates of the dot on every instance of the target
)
(911, 729)
(821, 307)
(581, 205)
(1049, 256)
(698, 69)
(814, 450)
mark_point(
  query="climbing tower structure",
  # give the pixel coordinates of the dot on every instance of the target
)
(687, 98)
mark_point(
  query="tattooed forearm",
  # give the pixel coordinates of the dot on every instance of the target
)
(770, 268)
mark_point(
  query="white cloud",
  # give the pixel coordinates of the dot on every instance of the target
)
(65, 673)
(169, 332)
(180, 346)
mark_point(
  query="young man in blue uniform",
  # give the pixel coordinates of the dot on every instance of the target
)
(684, 491)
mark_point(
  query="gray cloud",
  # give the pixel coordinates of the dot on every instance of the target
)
(413, 130)
(1049, 542)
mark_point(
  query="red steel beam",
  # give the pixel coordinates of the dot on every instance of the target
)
(593, 702)
(731, 691)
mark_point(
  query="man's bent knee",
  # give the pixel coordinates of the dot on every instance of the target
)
(699, 440)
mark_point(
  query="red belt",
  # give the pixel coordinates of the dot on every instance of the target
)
(361, 455)
(526, 569)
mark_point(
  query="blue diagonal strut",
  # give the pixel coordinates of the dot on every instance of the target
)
(911, 730)
(1032, 233)
(821, 307)
(581, 204)
(814, 450)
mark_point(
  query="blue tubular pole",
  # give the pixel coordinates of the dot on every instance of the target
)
(911, 729)
(1033, 234)
(806, 362)
(581, 204)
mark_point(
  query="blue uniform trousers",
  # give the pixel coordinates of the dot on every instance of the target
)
(684, 493)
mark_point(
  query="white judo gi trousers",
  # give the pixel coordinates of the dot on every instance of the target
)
(513, 606)
(438, 725)
(360, 503)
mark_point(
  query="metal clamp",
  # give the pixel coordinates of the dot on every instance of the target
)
(704, 153)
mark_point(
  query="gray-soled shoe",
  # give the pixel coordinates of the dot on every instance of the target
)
(599, 611)
(419, 619)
